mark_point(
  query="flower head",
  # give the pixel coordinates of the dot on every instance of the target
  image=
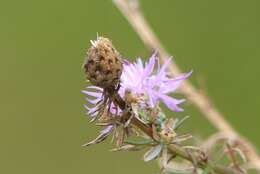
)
(152, 84)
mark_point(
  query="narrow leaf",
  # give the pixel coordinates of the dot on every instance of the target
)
(127, 147)
(241, 154)
(101, 137)
(164, 156)
(142, 142)
(179, 123)
(181, 138)
(153, 153)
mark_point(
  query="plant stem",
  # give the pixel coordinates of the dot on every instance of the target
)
(175, 149)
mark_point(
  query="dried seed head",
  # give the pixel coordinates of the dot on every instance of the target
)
(103, 65)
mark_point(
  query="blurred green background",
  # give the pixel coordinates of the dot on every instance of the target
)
(42, 47)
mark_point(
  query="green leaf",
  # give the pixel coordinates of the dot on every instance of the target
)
(141, 142)
(127, 147)
(161, 117)
(153, 153)
(205, 172)
(179, 123)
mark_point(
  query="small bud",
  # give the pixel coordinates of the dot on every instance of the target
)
(103, 65)
(167, 135)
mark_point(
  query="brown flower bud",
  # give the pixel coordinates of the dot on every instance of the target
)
(103, 65)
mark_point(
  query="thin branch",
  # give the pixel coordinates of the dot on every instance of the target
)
(133, 14)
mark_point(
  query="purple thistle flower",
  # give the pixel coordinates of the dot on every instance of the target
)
(144, 81)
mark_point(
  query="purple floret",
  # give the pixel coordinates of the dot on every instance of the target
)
(153, 84)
